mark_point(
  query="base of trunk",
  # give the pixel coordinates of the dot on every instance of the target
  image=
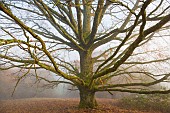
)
(87, 99)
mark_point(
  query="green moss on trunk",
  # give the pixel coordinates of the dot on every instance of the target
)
(87, 99)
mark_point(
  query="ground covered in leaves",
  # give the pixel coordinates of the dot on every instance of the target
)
(53, 105)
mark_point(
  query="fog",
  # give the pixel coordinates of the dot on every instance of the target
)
(29, 88)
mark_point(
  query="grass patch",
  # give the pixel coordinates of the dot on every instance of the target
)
(152, 102)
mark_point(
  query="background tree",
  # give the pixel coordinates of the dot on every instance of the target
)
(52, 34)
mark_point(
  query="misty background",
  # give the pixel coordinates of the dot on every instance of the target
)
(29, 87)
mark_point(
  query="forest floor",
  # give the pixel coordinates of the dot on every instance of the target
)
(54, 105)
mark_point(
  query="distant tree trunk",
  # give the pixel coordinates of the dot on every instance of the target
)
(87, 98)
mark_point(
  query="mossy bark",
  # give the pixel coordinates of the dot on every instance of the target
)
(86, 65)
(87, 94)
(87, 99)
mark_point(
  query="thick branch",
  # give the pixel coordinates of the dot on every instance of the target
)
(135, 44)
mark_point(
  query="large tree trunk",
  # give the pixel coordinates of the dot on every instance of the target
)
(87, 94)
(86, 66)
(87, 98)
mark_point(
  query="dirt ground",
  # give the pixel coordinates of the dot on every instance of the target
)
(53, 105)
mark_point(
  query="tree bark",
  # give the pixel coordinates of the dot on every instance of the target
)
(87, 94)
(87, 98)
(86, 66)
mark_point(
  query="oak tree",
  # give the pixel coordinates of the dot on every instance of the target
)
(93, 45)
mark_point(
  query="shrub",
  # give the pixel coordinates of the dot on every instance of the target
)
(152, 102)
